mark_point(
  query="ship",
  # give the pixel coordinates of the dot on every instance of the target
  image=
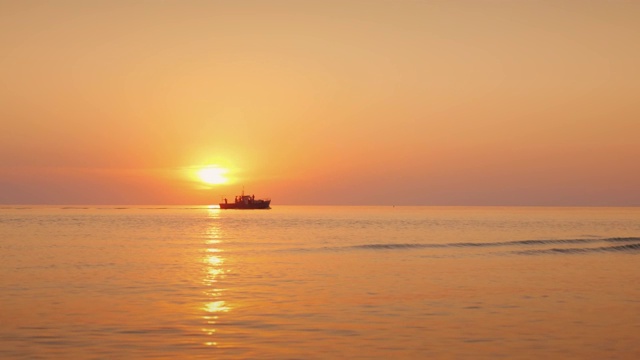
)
(245, 202)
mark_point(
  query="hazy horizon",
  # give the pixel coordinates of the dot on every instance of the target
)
(214, 205)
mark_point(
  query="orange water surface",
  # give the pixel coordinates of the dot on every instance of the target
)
(319, 282)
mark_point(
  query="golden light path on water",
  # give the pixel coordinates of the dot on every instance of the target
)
(213, 262)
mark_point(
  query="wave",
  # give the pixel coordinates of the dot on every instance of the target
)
(391, 246)
(617, 248)
(629, 245)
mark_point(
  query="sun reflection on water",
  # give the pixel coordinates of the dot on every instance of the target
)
(213, 261)
(215, 307)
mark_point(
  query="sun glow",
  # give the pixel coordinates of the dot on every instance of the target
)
(213, 175)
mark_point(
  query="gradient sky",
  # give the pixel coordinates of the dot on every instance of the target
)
(321, 102)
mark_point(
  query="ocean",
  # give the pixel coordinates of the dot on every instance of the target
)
(321, 282)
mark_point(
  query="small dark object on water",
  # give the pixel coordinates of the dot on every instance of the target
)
(244, 202)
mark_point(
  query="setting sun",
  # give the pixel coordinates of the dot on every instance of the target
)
(212, 175)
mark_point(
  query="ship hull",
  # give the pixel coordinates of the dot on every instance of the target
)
(250, 206)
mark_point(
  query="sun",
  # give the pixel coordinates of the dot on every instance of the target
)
(213, 175)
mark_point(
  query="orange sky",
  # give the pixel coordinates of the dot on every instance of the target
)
(321, 102)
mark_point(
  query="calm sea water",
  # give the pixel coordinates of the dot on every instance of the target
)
(319, 282)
